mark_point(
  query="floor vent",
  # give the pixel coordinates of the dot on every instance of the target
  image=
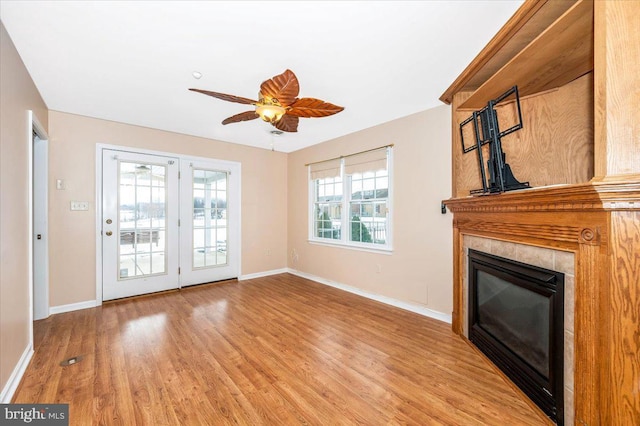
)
(70, 361)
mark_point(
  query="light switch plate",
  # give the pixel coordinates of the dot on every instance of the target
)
(79, 205)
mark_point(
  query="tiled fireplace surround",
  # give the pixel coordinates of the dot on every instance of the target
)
(557, 260)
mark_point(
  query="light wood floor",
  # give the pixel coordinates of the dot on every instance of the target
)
(279, 350)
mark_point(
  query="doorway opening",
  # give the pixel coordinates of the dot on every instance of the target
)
(38, 221)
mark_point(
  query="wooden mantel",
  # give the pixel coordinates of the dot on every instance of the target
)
(591, 196)
(580, 149)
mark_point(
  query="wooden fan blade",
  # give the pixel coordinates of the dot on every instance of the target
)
(243, 116)
(287, 123)
(310, 107)
(283, 87)
(225, 97)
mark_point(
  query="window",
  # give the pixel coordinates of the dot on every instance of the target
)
(350, 200)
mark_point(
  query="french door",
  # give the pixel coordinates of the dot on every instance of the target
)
(139, 224)
(209, 218)
(166, 222)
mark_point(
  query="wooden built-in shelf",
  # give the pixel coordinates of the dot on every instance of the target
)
(562, 53)
(526, 24)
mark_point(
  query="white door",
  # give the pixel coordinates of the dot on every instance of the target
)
(139, 224)
(210, 221)
(40, 229)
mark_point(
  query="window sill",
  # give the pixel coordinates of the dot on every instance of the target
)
(379, 250)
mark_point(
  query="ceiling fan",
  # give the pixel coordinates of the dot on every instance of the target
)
(278, 103)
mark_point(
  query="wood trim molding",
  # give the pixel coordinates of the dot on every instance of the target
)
(589, 351)
(602, 195)
(518, 231)
(458, 271)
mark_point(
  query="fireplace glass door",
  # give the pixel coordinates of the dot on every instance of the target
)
(516, 317)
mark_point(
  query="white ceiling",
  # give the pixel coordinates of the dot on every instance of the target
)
(132, 61)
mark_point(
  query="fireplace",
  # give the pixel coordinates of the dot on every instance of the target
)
(516, 318)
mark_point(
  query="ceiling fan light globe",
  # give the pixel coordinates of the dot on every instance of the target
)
(270, 113)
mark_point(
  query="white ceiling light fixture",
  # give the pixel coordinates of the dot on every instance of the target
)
(197, 75)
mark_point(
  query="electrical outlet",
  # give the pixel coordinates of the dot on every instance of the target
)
(79, 205)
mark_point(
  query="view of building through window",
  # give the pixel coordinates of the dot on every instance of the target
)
(351, 209)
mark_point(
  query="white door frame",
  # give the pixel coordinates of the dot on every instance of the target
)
(98, 202)
(40, 294)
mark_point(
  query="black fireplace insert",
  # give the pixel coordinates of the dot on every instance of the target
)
(516, 318)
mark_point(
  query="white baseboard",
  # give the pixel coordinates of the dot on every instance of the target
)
(72, 307)
(14, 380)
(377, 297)
(263, 274)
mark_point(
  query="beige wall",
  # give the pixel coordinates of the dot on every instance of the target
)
(18, 94)
(72, 239)
(420, 269)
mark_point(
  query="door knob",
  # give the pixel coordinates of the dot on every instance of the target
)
(109, 233)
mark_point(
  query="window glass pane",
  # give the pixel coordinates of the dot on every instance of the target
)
(127, 169)
(158, 240)
(319, 191)
(327, 223)
(329, 190)
(127, 245)
(221, 181)
(127, 266)
(359, 231)
(368, 222)
(222, 204)
(198, 238)
(368, 184)
(221, 256)
(209, 220)
(198, 218)
(157, 176)
(143, 175)
(337, 189)
(198, 258)
(143, 264)
(198, 197)
(157, 262)
(356, 189)
(142, 209)
(366, 199)
(382, 182)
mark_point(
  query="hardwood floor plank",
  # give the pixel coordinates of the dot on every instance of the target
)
(278, 350)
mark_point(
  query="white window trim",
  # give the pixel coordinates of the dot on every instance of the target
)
(344, 242)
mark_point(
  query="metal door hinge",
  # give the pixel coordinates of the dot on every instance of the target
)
(178, 271)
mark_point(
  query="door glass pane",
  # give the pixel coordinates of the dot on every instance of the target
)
(209, 244)
(141, 219)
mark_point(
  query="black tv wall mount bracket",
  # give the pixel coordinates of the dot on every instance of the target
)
(498, 176)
